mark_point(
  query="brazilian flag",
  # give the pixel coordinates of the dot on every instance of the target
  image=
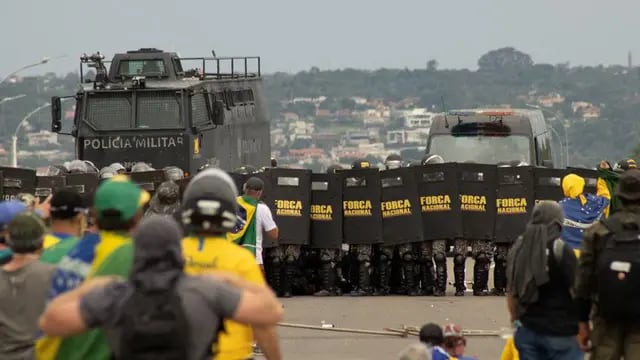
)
(244, 233)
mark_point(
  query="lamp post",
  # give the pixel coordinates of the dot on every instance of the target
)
(564, 130)
(7, 99)
(29, 66)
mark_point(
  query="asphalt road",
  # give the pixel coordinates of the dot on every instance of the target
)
(376, 313)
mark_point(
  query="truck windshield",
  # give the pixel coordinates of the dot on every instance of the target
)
(152, 68)
(153, 110)
(481, 149)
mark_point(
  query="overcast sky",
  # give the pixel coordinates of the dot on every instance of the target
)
(293, 35)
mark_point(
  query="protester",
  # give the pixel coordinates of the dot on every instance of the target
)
(432, 336)
(160, 313)
(581, 210)
(8, 210)
(607, 180)
(417, 351)
(118, 207)
(23, 287)
(209, 211)
(607, 280)
(68, 218)
(455, 342)
(541, 272)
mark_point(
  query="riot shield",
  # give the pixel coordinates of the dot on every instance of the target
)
(326, 211)
(590, 178)
(439, 201)
(401, 219)
(289, 199)
(477, 185)
(514, 202)
(16, 181)
(362, 217)
(48, 185)
(84, 184)
(149, 180)
(548, 183)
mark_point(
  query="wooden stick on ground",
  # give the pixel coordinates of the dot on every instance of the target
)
(353, 331)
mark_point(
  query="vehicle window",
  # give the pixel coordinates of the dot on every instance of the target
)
(158, 109)
(109, 111)
(152, 67)
(199, 114)
(481, 149)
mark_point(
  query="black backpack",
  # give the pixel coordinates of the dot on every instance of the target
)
(618, 272)
(154, 326)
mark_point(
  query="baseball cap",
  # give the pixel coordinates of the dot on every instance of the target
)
(9, 209)
(66, 204)
(452, 330)
(119, 193)
(254, 183)
(628, 186)
(26, 232)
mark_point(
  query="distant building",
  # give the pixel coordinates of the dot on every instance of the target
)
(42, 138)
(550, 100)
(418, 118)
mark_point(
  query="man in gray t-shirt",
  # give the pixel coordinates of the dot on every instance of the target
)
(158, 262)
(24, 282)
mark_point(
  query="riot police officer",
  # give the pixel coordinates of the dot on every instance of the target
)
(141, 167)
(166, 200)
(361, 254)
(329, 270)
(433, 251)
(173, 173)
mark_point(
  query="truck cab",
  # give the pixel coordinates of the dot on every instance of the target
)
(148, 108)
(505, 137)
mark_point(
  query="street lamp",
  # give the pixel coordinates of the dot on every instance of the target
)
(14, 138)
(564, 130)
(41, 62)
(7, 99)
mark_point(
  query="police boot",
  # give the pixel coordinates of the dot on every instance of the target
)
(427, 273)
(384, 272)
(327, 279)
(441, 275)
(364, 280)
(409, 278)
(499, 277)
(287, 279)
(458, 272)
(275, 277)
(481, 276)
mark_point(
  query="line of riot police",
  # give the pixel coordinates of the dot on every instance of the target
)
(361, 231)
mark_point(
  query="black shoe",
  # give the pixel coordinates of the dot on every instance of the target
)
(497, 292)
(439, 293)
(459, 293)
(482, 292)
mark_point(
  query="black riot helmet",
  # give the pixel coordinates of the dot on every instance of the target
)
(173, 173)
(414, 163)
(333, 169)
(393, 161)
(274, 162)
(209, 203)
(430, 159)
(245, 170)
(360, 164)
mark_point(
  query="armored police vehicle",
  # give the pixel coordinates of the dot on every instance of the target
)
(491, 136)
(148, 107)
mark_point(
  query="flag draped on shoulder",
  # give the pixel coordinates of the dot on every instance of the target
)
(244, 233)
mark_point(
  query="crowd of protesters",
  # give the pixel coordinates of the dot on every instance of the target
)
(103, 281)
